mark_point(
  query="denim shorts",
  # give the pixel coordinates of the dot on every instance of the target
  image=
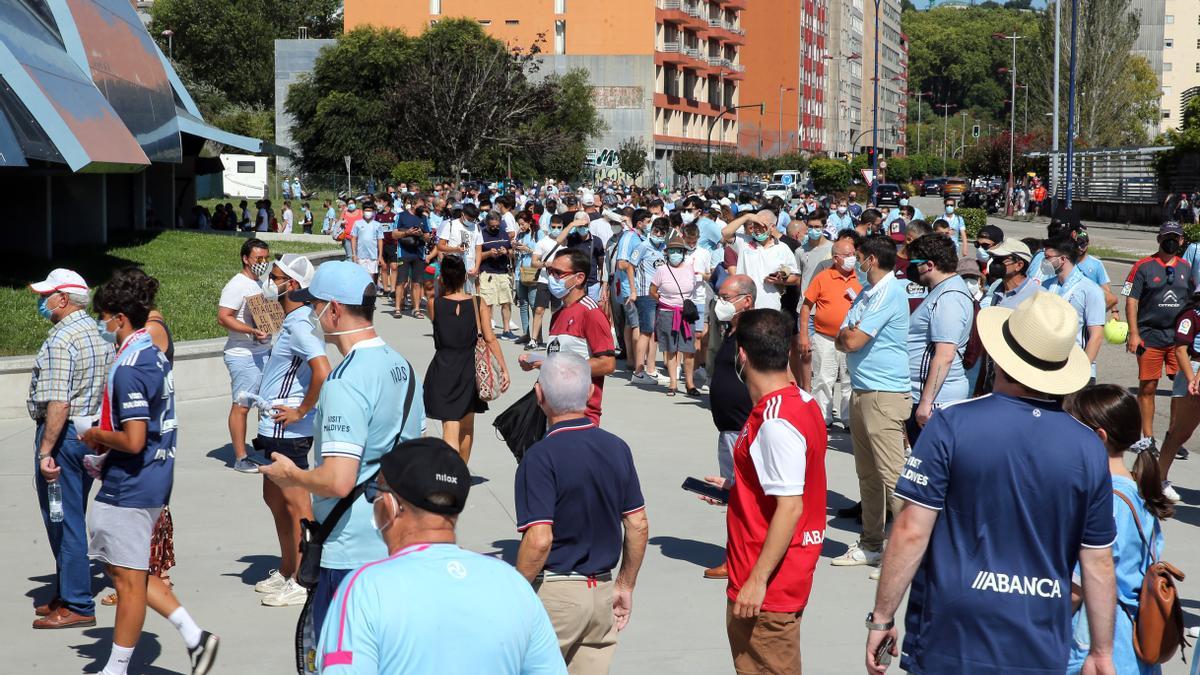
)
(1180, 388)
(646, 309)
(245, 372)
(698, 324)
(632, 320)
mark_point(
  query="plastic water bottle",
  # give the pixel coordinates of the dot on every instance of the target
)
(54, 497)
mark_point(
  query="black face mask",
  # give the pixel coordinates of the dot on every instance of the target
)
(996, 269)
(912, 272)
(1170, 246)
(493, 230)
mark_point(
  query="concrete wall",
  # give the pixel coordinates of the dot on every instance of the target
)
(293, 58)
(623, 94)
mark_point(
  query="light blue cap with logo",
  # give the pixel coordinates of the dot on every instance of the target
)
(341, 281)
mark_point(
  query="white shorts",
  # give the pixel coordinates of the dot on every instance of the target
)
(120, 535)
(371, 265)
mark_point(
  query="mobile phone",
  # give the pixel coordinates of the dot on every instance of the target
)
(535, 357)
(257, 459)
(706, 489)
(883, 654)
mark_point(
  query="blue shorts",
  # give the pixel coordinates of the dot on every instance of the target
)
(245, 372)
(629, 309)
(1179, 388)
(646, 308)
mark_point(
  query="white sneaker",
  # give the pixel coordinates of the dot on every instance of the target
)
(857, 556)
(290, 595)
(1170, 493)
(874, 574)
(660, 378)
(272, 584)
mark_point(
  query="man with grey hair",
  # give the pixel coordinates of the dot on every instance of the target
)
(580, 509)
(65, 395)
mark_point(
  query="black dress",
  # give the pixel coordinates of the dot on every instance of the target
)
(450, 391)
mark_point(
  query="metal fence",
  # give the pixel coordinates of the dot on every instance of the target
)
(1110, 175)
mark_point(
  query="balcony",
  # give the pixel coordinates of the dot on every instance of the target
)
(679, 12)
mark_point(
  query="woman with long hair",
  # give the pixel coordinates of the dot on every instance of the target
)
(451, 394)
(1138, 503)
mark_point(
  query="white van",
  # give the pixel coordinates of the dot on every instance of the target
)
(792, 178)
(245, 176)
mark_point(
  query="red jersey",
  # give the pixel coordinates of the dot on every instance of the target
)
(780, 452)
(583, 329)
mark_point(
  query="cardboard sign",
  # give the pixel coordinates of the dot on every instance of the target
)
(267, 314)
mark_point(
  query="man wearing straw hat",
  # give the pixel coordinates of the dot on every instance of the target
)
(1006, 493)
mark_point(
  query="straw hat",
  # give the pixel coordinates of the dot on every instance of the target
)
(1035, 343)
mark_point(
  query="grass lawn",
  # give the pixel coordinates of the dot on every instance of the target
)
(191, 268)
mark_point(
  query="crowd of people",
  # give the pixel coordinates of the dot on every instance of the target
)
(903, 330)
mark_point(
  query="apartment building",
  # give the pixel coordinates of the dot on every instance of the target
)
(893, 79)
(1169, 38)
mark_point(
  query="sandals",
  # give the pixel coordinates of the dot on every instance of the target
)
(419, 315)
(109, 600)
(671, 392)
(693, 391)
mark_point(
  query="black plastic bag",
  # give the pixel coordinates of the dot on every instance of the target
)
(521, 425)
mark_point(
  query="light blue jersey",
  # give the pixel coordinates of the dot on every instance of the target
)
(839, 221)
(367, 234)
(287, 375)
(645, 259)
(956, 227)
(626, 245)
(710, 233)
(435, 608)
(1093, 269)
(880, 311)
(361, 413)
(1084, 296)
(945, 315)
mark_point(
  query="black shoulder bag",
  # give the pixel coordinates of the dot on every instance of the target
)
(690, 312)
(313, 535)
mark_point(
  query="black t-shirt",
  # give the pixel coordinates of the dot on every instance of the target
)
(590, 246)
(498, 264)
(729, 400)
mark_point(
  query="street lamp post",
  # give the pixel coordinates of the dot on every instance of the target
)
(170, 35)
(1057, 64)
(945, 134)
(919, 95)
(1026, 88)
(779, 140)
(1071, 102)
(875, 108)
(964, 133)
(1012, 127)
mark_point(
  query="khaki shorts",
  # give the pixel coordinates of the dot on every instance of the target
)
(768, 643)
(495, 289)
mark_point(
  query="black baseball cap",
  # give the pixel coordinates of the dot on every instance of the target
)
(991, 232)
(422, 467)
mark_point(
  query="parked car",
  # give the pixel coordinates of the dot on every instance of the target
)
(780, 190)
(954, 187)
(888, 194)
(932, 186)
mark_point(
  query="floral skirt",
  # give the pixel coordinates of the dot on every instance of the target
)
(162, 544)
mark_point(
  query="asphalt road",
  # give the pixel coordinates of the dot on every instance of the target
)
(225, 542)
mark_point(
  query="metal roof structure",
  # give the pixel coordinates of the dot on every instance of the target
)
(83, 84)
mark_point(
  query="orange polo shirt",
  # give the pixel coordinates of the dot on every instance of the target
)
(831, 291)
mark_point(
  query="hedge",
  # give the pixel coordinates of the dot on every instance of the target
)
(974, 219)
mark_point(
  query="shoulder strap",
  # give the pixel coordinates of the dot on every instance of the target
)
(1138, 522)
(344, 504)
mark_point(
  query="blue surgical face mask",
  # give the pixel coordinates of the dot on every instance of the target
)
(558, 287)
(44, 309)
(904, 202)
(814, 234)
(949, 208)
(675, 258)
(761, 236)
(555, 231)
(106, 334)
(657, 241)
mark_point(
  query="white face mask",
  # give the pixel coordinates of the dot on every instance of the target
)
(848, 264)
(688, 216)
(973, 287)
(271, 290)
(724, 310)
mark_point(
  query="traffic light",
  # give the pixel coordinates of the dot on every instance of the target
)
(871, 155)
(975, 131)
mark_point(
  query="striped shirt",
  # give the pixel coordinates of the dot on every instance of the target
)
(70, 367)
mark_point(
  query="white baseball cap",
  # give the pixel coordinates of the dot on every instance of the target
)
(297, 267)
(61, 279)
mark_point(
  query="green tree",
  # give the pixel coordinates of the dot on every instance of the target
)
(230, 44)
(688, 161)
(829, 175)
(415, 171)
(1185, 149)
(1117, 92)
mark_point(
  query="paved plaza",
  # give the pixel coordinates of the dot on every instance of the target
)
(225, 542)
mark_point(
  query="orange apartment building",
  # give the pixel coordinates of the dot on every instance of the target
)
(663, 70)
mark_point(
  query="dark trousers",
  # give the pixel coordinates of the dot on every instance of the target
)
(68, 539)
(327, 586)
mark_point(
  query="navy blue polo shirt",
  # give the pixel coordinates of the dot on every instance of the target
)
(404, 221)
(993, 593)
(580, 480)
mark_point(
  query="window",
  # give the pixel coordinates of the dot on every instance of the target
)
(1166, 67)
(245, 167)
(1166, 114)
(1169, 19)
(560, 37)
(1170, 42)
(512, 22)
(560, 6)
(485, 22)
(435, 6)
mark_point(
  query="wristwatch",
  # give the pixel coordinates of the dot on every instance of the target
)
(871, 625)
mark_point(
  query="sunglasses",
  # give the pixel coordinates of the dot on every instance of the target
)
(373, 491)
(558, 274)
